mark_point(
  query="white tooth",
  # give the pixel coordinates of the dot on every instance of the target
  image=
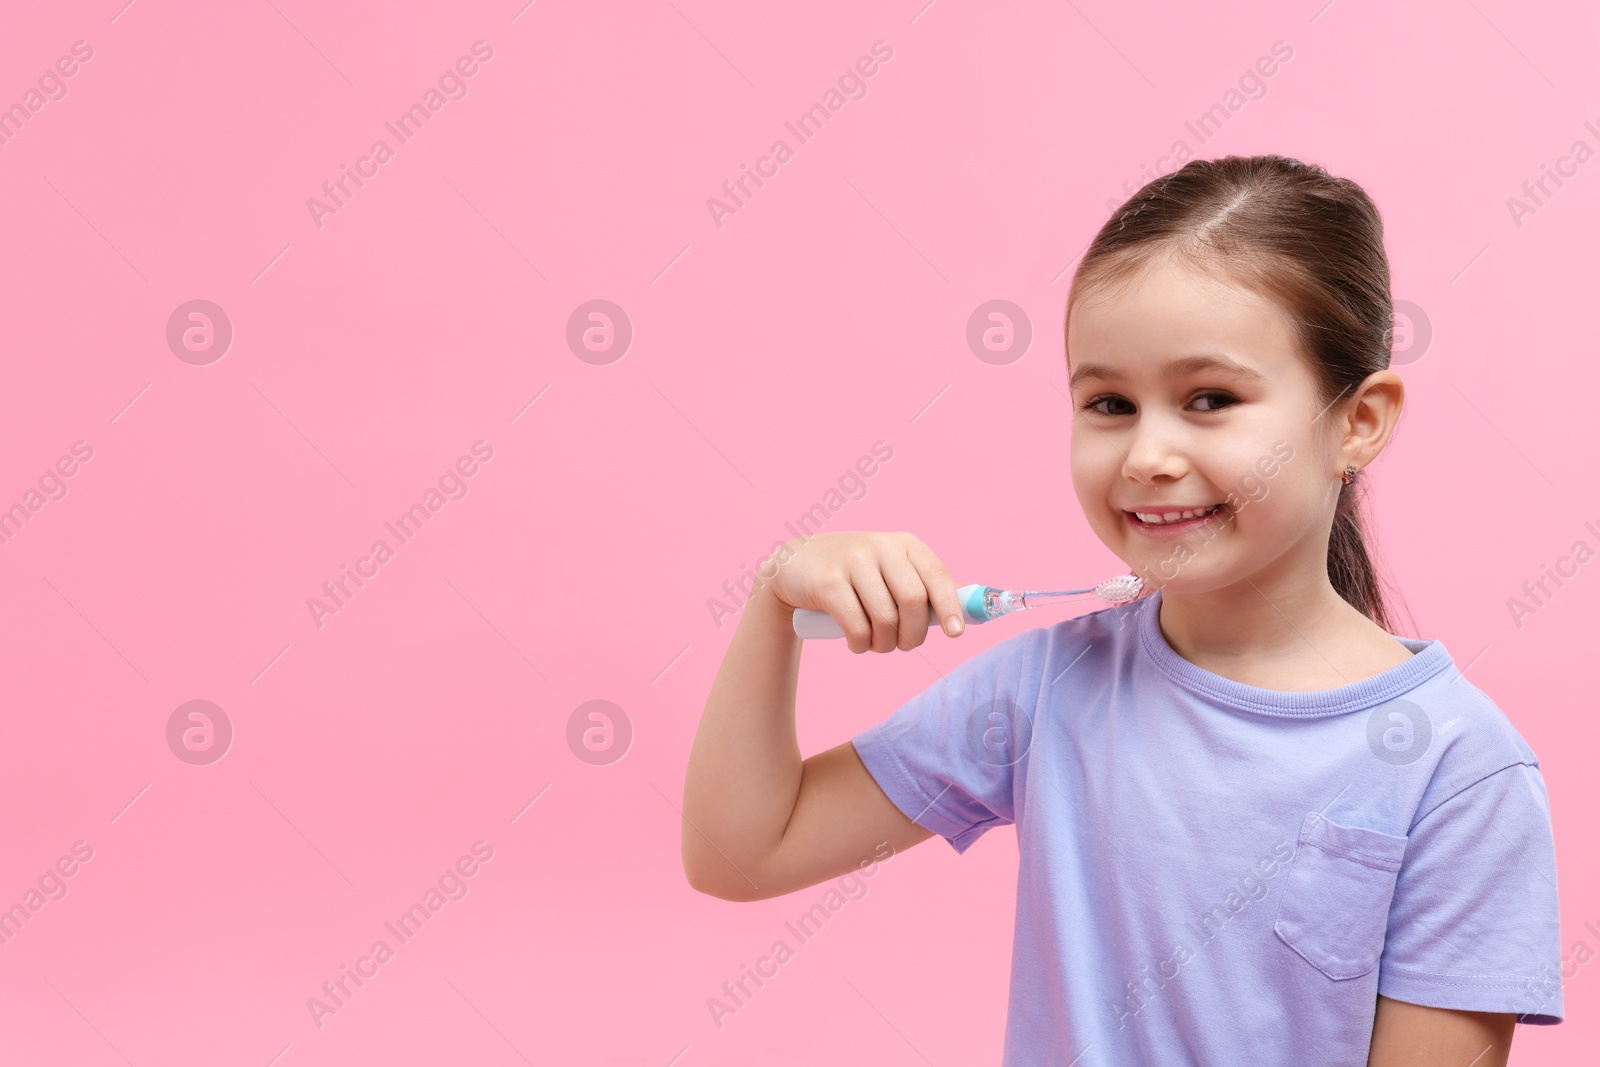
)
(1161, 520)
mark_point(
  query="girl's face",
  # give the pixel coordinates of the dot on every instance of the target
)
(1188, 394)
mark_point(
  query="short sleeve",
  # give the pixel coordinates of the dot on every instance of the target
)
(1474, 923)
(949, 756)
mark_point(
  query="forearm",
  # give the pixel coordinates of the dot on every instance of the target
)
(1411, 1035)
(745, 766)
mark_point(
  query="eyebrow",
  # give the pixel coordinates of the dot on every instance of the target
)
(1175, 369)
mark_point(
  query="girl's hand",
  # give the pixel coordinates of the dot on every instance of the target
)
(877, 587)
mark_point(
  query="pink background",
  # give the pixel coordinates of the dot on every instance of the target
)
(830, 312)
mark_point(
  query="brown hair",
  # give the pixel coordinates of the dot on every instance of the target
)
(1297, 234)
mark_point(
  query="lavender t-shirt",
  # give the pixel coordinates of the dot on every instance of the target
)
(1217, 873)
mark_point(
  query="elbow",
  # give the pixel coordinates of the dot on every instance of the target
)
(709, 872)
(697, 880)
(736, 888)
(712, 890)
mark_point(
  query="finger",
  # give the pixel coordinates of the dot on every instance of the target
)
(840, 601)
(879, 604)
(940, 586)
(911, 600)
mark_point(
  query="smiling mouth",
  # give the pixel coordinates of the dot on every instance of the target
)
(1172, 521)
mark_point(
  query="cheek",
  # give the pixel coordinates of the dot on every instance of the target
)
(1093, 456)
(1078, 462)
(1085, 493)
(1091, 477)
(1290, 507)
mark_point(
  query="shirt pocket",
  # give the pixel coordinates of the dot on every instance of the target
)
(1334, 910)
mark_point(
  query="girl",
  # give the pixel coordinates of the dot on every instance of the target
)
(1255, 826)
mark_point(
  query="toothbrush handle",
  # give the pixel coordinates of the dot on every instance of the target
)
(814, 624)
(809, 623)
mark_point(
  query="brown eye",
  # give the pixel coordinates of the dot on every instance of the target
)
(1227, 400)
(1094, 405)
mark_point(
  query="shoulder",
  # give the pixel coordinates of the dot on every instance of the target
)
(1082, 630)
(1465, 736)
(1026, 663)
(1085, 649)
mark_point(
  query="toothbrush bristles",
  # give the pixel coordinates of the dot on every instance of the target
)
(1119, 590)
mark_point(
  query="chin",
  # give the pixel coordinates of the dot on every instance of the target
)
(1164, 572)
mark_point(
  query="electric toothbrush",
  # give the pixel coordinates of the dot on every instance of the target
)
(981, 603)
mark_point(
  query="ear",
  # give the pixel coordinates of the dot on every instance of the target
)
(1370, 417)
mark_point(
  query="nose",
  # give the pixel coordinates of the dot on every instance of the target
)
(1153, 451)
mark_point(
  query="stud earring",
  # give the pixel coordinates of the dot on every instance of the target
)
(1349, 475)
